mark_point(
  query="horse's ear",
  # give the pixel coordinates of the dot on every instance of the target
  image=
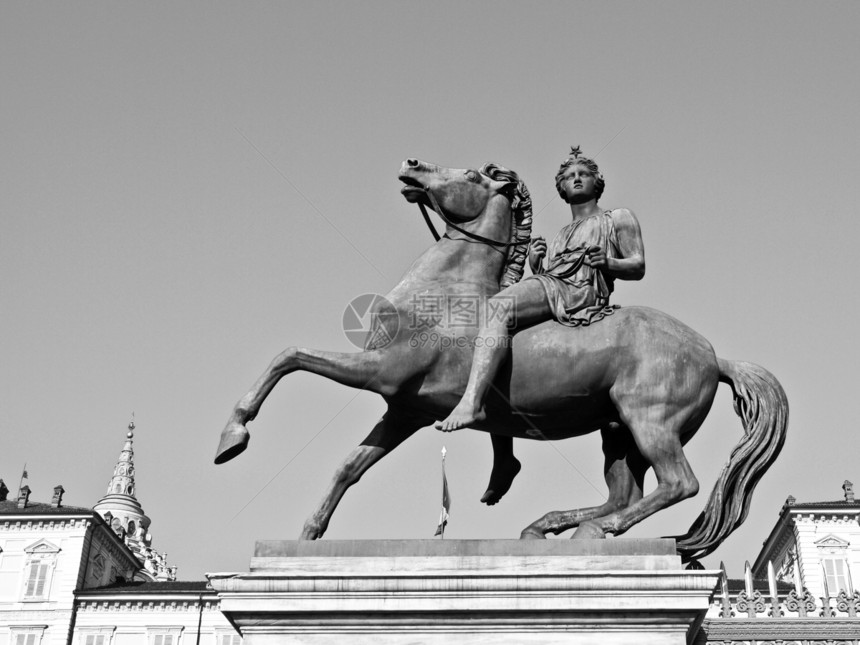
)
(506, 188)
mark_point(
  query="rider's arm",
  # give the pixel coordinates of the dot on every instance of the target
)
(630, 265)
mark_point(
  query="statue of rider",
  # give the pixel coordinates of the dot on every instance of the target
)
(585, 258)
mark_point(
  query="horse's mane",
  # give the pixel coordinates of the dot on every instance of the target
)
(521, 223)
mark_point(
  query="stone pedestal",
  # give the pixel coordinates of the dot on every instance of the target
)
(465, 592)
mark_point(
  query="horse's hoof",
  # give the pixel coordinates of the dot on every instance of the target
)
(530, 533)
(311, 532)
(588, 531)
(234, 440)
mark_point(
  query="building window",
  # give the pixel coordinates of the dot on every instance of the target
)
(41, 558)
(97, 636)
(165, 636)
(26, 636)
(27, 639)
(37, 580)
(836, 575)
(227, 636)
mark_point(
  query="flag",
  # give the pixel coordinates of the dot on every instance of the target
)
(24, 476)
(446, 501)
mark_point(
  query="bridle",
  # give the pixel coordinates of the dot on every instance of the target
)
(474, 236)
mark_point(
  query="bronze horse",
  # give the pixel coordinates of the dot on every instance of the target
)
(643, 379)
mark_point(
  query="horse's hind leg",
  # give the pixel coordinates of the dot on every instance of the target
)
(624, 471)
(389, 433)
(657, 434)
(359, 370)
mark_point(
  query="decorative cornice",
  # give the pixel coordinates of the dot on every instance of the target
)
(825, 515)
(32, 617)
(29, 523)
(160, 605)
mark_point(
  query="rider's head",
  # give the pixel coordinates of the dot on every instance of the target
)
(576, 158)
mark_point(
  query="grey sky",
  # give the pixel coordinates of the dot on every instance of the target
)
(172, 175)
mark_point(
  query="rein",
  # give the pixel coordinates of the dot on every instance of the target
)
(474, 236)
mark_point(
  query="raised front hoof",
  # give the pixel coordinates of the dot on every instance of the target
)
(531, 533)
(234, 440)
(588, 531)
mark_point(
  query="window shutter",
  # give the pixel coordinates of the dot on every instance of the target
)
(36, 579)
(836, 574)
(41, 579)
(29, 592)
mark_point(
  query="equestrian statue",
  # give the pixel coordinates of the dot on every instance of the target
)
(462, 341)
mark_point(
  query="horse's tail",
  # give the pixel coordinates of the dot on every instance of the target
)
(761, 404)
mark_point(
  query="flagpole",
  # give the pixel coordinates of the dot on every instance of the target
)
(444, 490)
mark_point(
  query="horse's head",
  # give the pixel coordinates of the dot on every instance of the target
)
(463, 194)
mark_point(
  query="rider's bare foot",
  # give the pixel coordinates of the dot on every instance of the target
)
(463, 416)
(500, 480)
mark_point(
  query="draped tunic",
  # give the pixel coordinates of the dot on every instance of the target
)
(578, 294)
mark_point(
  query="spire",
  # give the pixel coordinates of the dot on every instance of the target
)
(122, 481)
(123, 513)
(127, 516)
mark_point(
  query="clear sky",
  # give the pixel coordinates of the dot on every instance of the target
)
(188, 188)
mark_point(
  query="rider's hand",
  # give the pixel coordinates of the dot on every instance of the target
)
(596, 257)
(537, 252)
